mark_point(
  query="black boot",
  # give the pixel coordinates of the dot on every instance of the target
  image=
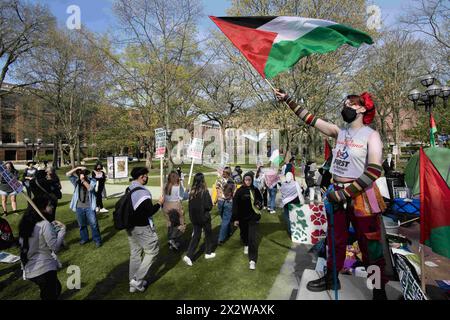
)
(379, 294)
(324, 283)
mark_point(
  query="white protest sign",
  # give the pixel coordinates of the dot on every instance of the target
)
(160, 142)
(395, 150)
(195, 150)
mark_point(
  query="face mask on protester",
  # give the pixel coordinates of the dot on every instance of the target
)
(349, 114)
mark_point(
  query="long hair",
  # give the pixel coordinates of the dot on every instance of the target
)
(172, 179)
(198, 185)
(29, 220)
(13, 170)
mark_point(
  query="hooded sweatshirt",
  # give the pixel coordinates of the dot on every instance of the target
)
(242, 205)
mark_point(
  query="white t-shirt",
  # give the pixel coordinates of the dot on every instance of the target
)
(351, 152)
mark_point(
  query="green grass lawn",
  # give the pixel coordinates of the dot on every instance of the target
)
(104, 271)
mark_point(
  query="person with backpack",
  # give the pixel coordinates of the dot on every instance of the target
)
(40, 240)
(142, 236)
(247, 203)
(200, 206)
(6, 235)
(83, 203)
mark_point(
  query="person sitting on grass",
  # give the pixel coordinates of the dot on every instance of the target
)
(83, 203)
(40, 240)
(200, 206)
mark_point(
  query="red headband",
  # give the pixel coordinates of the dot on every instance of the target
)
(370, 107)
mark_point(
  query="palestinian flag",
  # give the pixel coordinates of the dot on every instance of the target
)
(434, 208)
(433, 130)
(275, 44)
(276, 158)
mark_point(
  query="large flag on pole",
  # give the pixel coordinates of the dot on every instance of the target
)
(275, 44)
(433, 130)
(434, 208)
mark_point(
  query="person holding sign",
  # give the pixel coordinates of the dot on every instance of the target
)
(39, 241)
(355, 166)
(247, 205)
(6, 190)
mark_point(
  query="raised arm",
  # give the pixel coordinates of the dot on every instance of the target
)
(73, 170)
(326, 128)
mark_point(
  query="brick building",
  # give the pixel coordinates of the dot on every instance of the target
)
(23, 116)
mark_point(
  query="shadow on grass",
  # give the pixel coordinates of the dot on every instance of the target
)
(16, 274)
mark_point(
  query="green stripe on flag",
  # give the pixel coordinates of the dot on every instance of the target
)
(439, 241)
(285, 54)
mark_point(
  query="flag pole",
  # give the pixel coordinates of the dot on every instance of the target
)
(161, 160)
(190, 172)
(422, 267)
(33, 205)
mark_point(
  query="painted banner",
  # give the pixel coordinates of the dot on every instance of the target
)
(195, 150)
(160, 142)
(308, 223)
(120, 167)
(12, 181)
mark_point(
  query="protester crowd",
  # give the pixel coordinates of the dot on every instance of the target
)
(240, 199)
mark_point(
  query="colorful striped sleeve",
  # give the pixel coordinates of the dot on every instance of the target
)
(372, 173)
(302, 113)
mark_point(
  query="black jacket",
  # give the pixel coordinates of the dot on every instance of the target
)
(242, 206)
(140, 216)
(200, 208)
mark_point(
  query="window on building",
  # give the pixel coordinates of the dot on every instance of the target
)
(8, 137)
(10, 155)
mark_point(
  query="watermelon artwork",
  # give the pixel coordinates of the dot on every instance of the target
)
(308, 223)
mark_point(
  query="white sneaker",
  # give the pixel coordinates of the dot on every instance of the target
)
(273, 212)
(187, 260)
(133, 289)
(246, 250)
(137, 285)
(252, 265)
(96, 209)
(103, 210)
(210, 256)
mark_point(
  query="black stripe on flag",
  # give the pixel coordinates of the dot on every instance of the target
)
(249, 22)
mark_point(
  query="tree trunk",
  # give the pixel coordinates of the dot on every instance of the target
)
(55, 153)
(61, 152)
(72, 155)
(78, 147)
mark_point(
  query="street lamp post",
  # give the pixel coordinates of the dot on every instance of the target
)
(34, 146)
(429, 96)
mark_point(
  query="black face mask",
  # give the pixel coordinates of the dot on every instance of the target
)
(348, 114)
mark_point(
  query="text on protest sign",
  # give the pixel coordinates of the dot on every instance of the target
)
(12, 181)
(195, 150)
(160, 142)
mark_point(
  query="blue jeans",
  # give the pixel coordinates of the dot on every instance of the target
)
(272, 197)
(286, 217)
(225, 211)
(87, 216)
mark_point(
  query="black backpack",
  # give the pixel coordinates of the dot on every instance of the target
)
(123, 210)
(6, 235)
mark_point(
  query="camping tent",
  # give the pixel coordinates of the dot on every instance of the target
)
(441, 160)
